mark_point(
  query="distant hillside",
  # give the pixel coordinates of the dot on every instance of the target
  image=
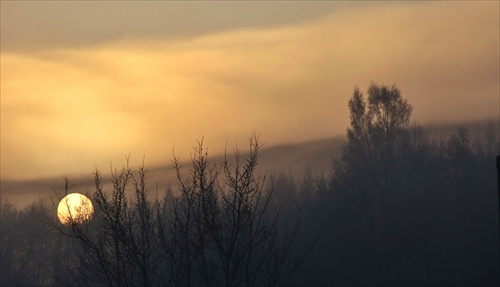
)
(289, 158)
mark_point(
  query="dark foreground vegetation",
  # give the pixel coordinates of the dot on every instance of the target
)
(396, 208)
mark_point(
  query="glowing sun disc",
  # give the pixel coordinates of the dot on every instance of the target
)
(75, 208)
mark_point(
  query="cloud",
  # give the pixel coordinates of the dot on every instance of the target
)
(41, 25)
(65, 110)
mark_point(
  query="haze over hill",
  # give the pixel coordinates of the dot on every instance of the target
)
(280, 158)
(291, 159)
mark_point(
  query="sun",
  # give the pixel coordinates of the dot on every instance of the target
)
(75, 208)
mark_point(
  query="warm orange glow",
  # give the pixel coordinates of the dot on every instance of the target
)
(96, 104)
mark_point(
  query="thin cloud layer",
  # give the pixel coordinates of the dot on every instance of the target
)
(66, 110)
(42, 25)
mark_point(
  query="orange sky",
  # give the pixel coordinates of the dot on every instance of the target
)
(81, 93)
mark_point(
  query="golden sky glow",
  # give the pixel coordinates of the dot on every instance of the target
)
(67, 108)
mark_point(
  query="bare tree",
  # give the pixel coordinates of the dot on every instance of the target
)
(119, 246)
(222, 229)
(215, 228)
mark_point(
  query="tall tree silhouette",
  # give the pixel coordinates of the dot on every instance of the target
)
(376, 140)
(369, 180)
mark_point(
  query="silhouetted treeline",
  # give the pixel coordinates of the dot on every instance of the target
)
(396, 208)
(402, 209)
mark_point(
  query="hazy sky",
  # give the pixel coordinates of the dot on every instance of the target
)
(85, 83)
